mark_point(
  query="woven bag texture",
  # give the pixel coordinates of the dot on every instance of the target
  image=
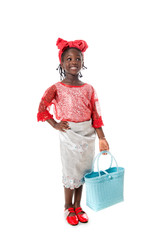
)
(104, 188)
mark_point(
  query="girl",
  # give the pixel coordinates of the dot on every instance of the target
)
(77, 110)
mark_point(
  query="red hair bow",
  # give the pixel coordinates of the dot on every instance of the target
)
(63, 45)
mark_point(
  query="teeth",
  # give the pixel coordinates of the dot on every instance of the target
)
(73, 67)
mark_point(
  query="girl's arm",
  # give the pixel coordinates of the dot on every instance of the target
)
(61, 126)
(45, 103)
(103, 144)
(100, 133)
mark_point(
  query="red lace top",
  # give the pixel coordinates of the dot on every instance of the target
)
(71, 103)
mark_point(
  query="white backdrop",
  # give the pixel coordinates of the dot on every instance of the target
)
(123, 62)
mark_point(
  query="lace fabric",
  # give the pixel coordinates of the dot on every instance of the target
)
(71, 103)
(72, 183)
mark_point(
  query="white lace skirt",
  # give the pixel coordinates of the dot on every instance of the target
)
(77, 147)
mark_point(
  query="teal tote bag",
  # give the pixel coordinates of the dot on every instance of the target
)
(104, 188)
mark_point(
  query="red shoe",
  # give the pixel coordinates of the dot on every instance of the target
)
(82, 217)
(72, 220)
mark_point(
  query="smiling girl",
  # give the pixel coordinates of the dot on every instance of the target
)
(78, 119)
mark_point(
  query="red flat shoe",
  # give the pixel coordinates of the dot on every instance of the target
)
(72, 220)
(81, 217)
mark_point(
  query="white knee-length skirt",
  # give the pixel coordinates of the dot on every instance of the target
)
(77, 148)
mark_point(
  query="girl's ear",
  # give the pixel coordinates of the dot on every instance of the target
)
(62, 66)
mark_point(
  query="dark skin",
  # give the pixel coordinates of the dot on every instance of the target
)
(72, 63)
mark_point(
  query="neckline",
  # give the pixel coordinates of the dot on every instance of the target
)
(66, 85)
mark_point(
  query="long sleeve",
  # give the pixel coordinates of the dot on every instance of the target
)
(96, 112)
(45, 103)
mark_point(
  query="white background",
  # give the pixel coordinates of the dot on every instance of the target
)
(123, 62)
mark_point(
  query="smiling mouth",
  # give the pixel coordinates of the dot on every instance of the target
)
(73, 68)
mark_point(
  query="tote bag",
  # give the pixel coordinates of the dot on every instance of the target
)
(104, 188)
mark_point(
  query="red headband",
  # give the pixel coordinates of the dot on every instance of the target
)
(63, 45)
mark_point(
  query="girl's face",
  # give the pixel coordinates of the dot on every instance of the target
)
(72, 61)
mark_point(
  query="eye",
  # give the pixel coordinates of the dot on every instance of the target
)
(69, 59)
(78, 59)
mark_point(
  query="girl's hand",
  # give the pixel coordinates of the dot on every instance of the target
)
(103, 145)
(62, 126)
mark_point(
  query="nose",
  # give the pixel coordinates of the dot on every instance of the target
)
(74, 62)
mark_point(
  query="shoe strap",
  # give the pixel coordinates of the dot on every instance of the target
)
(71, 210)
(68, 211)
(78, 210)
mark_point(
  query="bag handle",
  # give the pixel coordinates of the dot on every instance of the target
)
(98, 157)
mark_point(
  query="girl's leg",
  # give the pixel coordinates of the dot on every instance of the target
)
(68, 193)
(77, 196)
